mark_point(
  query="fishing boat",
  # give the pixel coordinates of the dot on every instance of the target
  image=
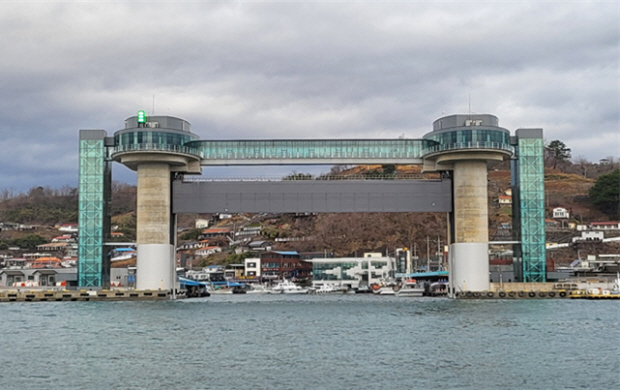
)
(382, 289)
(257, 289)
(410, 288)
(328, 289)
(288, 287)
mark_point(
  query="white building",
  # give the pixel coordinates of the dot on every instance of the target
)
(201, 223)
(209, 250)
(351, 272)
(252, 267)
(590, 236)
(605, 225)
(560, 212)
(68, 228)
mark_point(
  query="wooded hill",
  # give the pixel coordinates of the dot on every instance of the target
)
(342, 234)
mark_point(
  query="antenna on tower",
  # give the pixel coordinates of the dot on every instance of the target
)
(153, 104)
(469, 103)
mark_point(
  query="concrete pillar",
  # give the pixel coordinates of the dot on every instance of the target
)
(470, 268)
(471, 216)
(153, 207)
(155, 253)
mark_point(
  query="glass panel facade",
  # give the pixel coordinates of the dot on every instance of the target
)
(151, 137)
(94, 188)
(532, 208)
(154, 140)
(469, 139)
(311, 149)
(333, 271)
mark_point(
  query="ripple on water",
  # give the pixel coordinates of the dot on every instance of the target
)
(314, 342)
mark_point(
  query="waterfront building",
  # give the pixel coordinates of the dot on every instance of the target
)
(252, 267)
(280, 265)
(38, 277)
(351, 272)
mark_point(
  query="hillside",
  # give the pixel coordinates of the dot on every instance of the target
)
(341, 234)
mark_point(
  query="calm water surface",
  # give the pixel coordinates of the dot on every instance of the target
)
(311, 342)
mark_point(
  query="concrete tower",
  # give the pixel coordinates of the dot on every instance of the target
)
(467, 145)
(153, 147)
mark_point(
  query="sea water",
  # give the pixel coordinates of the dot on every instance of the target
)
(311, 342)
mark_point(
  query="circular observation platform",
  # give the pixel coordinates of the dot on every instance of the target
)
(467, 137)
(157, 139)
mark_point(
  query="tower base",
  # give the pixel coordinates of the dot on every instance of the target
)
(469, 266)
(155, 267)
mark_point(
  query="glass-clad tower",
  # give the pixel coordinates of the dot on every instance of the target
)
(528, 188)
(93, 217)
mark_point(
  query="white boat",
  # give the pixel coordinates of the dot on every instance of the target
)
(410, 289)
(288, 287)
(383, 290)
(257, 289)
(328, 288)
(616, 288)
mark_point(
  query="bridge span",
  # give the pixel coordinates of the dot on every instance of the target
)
(163, 150)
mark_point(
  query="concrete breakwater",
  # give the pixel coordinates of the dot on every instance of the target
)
(541, 294)
(23, 295)
(518, 291)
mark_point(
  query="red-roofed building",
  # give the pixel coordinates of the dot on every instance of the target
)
(216, 232)
(47, 262)
(505, 199)
(612, 225)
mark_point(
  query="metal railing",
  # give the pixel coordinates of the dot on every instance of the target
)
(303, 177)
(157, 148)
(468, 145)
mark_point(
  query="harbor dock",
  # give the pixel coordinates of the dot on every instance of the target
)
(27, 295)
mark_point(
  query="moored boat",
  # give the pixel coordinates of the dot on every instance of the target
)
(382, 289)
(288, 287)
(410, 288)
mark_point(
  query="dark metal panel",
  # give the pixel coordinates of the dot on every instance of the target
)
(312, 196)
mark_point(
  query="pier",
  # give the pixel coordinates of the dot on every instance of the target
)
(25, 295)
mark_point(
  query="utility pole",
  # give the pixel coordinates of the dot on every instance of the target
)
(428, 254)
(439, 253)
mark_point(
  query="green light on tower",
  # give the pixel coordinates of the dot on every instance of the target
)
(141, 116)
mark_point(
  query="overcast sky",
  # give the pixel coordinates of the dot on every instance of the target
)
(287, 69)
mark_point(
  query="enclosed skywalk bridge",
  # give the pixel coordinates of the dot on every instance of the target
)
(325, 195)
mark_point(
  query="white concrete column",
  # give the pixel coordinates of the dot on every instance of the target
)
(155, 255)
(470, 268)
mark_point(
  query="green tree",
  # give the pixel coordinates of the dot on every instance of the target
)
(191, 234)
(605, 193)
(389, 169)
(30, 241)
(558, 152)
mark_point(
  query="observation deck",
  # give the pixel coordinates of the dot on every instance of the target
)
(171, 136)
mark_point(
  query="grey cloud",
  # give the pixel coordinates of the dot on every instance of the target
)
(287, 70)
